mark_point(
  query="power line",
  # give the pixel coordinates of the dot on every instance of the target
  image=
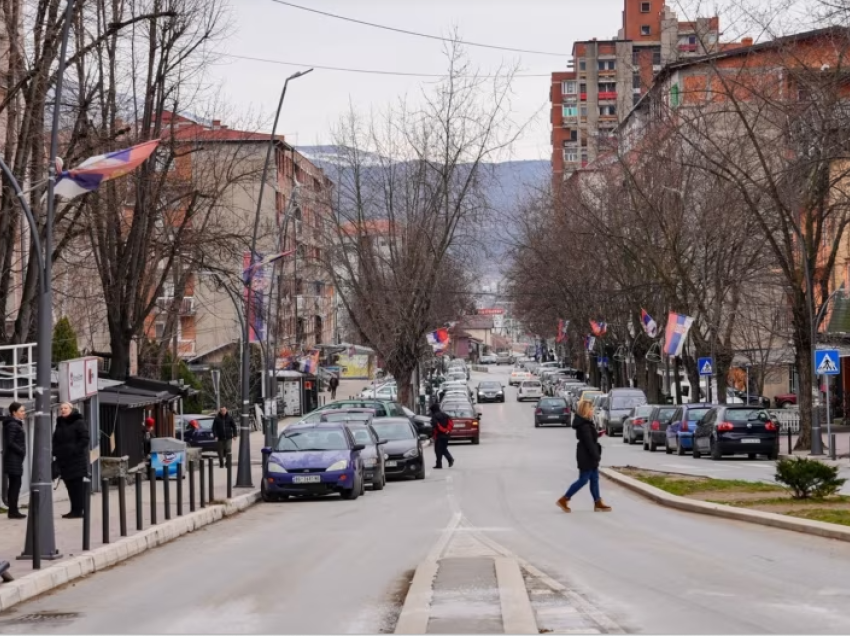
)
(416, 33)
(363, 70)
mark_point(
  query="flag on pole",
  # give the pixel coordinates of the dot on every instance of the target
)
(562, 331)
(678, 326)
(310, 362)
(267, 260)
(589, 342)
(649, 325)
(88, 176)
(437, 338)
(599, 329)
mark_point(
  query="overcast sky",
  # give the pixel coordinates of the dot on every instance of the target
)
(264, 29)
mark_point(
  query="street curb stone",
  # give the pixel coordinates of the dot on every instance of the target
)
(106, 556)
(806, 526)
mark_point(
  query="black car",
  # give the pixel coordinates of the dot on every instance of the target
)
(655, 428)
(490, 391)
(552, 410)
(736, 430)
(197, 431)
(403, 447)
(374, 466)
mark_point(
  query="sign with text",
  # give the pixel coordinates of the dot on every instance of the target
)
(491, 311)
(77, 379)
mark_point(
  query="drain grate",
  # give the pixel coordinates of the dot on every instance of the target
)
(42, 617)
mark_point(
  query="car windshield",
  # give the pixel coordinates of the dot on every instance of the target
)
(743, 415)
(393, 430)
(627, 401)
(361, 435)
(643, 411)
(312, 439)
(346, 417)
(531, 385)
(204, 423)
(695, 415)
(553, 402)
(458, 410)
(489, 385)
(665, 415)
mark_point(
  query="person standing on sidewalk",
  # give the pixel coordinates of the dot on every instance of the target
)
(588, 455)
(333, 385)
(14, 452)
(72, 452)
(224, 430)
(443, 426)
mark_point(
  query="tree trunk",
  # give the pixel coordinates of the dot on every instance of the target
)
(119, 342)
(803, 359)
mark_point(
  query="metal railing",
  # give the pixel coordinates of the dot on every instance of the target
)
(788, 419)
(18, 377)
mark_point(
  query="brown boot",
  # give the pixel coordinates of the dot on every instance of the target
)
(600, 506)
(563, 504)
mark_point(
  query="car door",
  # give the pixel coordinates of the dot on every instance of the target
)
(704, 429)
(673, 427)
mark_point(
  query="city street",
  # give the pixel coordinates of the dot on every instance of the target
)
(333, 566)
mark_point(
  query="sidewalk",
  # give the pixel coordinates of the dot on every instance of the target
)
(69, 532)
(842, 447)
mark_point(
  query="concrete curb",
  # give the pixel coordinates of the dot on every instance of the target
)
(416, 611)
(806, 526)
(517, 613)
(49, 578)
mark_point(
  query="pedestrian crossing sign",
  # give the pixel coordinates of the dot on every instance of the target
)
(705, 366)
(827, 362)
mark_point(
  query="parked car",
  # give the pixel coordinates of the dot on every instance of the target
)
(541, 367)
(785, 400)
(421, 423)
(319, 458)
(381, 408)
(403, 448)
(736, 430)
(372, 455)
(680, 431)
(466, 421)
(529, 390)
(454, 395)
(634, 424)
(487, 358)
(586, 393)
(454, 386)
(517, 376)
(490, 391)
(504, 357)
(552, 410)
(619, 405)
(600, 403)
(388, 391)
(197, 431)
(655, 431)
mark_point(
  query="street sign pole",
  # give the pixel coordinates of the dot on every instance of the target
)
(827, 363)
(828, 420)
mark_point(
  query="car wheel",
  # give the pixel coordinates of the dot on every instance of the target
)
(652, 445)
(625, 439)
(695, 451)
(475, 441)
(786, 405)
(608, 431)
(536, 424)
(667, 448)
(354, 492)
(751, 455)
(265, 495)
(679, 449)
(645, 445)
(715, 451)
(420, 474)
(379, 485)
(362, 486)
(773, 455)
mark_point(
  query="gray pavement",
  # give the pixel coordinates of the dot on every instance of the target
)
(333, 566)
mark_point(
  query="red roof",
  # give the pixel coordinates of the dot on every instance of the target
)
(182, 128)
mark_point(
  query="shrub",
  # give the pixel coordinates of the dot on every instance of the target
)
(64, 341)
(808, 477)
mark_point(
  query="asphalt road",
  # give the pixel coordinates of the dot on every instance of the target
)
(331, 566)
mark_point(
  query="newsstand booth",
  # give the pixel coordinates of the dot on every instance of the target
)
(297, 392)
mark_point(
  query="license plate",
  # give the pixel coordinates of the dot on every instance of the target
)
(552, 417)
(307, 479)
(460, 425)
(391, 464)
(750, 440)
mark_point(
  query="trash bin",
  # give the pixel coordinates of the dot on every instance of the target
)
(166, 454)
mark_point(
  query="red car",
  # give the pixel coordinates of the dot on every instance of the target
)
(466, 421)
(785, 400)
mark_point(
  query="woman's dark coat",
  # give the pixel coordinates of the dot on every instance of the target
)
(14, 447)
(71, 446)
(588, 451)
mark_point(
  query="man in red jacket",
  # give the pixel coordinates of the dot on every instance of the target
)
(443, 426)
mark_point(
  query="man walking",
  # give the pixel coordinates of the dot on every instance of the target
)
(443, 426)
(333, 384)
(224, 430)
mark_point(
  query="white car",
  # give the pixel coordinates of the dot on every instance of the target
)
(488, 358)
(517, 376)
(387, 392)
(529, 390)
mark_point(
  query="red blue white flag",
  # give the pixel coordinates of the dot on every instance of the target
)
(649, 325)
(88, 176)
(678, 326)
(562, 330)
(439, 338)
(589, 342)
(599, 329)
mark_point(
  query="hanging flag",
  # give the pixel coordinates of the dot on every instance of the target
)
(88, 176)
(439, 337)
(599, 329)
(649, 325)
(589, 342)
(678, 326)
(310, 362)
(562, 331)
(267, 260)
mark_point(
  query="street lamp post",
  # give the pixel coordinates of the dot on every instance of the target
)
(243, 473)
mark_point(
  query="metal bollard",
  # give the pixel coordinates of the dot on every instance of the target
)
(229, 465)
(166, 491)
(122, 506)
(140, 520)
(35, 500)
(191, 485)
(180, 489)
(202, 484)
(152, 479)
(87, 516)
(211, 484)
(832, 454)
(104, 500)
(790, 450)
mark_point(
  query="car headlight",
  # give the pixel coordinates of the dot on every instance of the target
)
(413, 452)
(342, 464)
(275, 468)
(500, 393)
(369, 462)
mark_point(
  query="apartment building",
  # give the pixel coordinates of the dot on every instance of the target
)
(608, 77)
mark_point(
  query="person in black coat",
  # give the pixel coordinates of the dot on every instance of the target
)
(72, 453)
(442, 425)
(588, 455)
(224, 430)
(14, 452)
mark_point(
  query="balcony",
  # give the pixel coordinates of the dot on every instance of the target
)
(687, 48)
(608, 95)
(569, 120)
(187, 305)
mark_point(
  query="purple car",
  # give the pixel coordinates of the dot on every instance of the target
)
(313, 459)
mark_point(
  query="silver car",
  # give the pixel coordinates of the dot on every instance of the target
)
(617, 408)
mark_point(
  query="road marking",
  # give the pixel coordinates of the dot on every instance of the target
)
(517, 614)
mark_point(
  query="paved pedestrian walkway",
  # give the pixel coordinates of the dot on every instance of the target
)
(842, 447)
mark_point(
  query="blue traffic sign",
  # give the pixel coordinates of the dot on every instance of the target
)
(705, 366)
(827, 362)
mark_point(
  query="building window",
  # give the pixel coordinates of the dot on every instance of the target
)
(584, 111)
(568, 88)
(159, 330)
(582, 65)
(582, 89)
(645, 29)
(674, 96)
(636, 81)
(645, 7)
(656, 57)
(607, 65)
(570, 155)
(570, 110)
(608, 111)
(607, 87)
